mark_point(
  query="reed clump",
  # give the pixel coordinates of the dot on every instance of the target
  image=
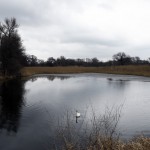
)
(139, 143)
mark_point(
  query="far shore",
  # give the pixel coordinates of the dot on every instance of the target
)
(139, 70)
(122, 70)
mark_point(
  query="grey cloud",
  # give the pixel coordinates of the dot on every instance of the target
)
(105, 6)
(92, 40)
(141, 51)
(27, 12)
(63, 27)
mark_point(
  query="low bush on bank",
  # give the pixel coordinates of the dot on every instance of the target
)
(94, 133)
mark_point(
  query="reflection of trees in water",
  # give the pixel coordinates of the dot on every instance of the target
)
(0, 97)
(50, 77)
(0, 104)
(11, 104)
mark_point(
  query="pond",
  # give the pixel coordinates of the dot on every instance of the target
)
(29, 109)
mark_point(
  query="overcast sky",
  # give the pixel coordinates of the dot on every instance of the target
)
(81, 28)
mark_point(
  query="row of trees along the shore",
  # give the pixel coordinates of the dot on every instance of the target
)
(118, 59)
(13, 56)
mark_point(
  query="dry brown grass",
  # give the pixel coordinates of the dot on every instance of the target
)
(140, 143)
(127, 70)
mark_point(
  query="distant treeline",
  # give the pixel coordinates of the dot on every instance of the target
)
(13, 56)
(118, 59)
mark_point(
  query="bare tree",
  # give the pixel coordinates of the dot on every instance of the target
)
(11, 48)
(121, 58)
(8, 27)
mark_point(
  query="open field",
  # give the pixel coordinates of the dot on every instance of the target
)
(126, 70)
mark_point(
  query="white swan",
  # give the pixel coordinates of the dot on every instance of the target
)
(77, 114)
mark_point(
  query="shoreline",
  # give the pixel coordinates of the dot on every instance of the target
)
(118, 70)
(142, 70)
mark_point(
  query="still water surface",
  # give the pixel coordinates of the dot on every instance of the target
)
(28, 108)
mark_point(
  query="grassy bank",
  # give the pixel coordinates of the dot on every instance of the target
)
(139, 143)
(126, 70)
